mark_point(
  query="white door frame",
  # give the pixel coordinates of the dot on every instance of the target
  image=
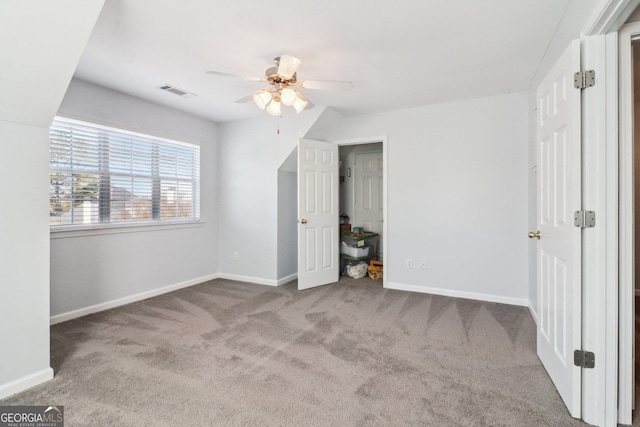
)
(600, 244)
(600, 185)
(385, 175)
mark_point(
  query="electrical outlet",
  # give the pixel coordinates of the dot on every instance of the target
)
(423, 264)
(409, 263)
(236, 256)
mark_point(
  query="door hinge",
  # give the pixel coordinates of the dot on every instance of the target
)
(584, 79)
(584, 359)
(584, 219)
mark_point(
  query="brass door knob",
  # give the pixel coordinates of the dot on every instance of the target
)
(303, 221)
(534, 235)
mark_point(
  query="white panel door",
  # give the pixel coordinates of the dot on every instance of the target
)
(559, 247)
(318, 232)
(368, 194)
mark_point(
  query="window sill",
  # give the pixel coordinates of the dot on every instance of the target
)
(99, 229)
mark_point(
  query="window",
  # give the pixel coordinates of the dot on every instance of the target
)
(102, 175)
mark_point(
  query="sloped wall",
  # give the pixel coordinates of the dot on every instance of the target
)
(39, 56)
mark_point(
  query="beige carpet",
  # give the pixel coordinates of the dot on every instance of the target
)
(351, 353)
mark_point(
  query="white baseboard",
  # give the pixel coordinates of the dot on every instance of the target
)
(534, 313)
(128, 300)
(287, 279)
(458, 294)
(28, 381)
(249, 279)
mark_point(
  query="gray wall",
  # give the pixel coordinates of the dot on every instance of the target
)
(251, 153)
(287, 224)
(457, 195)
(90, 270)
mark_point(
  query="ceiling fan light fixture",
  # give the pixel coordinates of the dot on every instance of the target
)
(262, 98)
(274, 108)
(288, 96)
(300, 103)
(283, 86)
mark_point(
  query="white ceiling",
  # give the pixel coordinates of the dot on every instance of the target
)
(397, 54)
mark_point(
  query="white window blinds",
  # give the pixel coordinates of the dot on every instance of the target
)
(100, 174)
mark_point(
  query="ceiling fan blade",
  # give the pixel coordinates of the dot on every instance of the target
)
(288, 65)
(235, 76)
(326, 84)
(245, 99)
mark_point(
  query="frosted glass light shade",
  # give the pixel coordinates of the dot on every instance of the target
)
(274, 108)
(262, 98)
(300, 103)
(288, 96)
(288, 66)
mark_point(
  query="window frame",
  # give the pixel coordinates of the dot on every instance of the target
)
(156, 223)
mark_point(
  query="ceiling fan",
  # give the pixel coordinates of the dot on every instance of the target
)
(284, 84)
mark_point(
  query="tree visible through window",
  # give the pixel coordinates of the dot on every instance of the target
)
(100, 174)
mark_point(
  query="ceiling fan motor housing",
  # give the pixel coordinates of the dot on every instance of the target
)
(272, 77)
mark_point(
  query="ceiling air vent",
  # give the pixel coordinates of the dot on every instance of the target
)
(182, 93)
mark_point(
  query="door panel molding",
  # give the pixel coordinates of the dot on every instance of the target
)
(367, 193)
(559, 248)
(318, 262)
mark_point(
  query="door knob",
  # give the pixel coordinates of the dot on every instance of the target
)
(534, 235)
(303, 221)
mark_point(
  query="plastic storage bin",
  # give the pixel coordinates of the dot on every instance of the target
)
(352, 251)
(361, 240)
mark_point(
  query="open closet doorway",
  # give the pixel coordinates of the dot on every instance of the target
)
(362, 198)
